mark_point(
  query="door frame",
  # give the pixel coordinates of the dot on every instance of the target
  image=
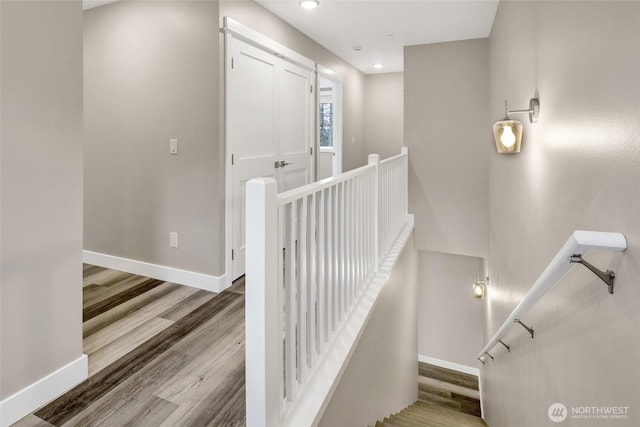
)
(234, 29)
(328, 74)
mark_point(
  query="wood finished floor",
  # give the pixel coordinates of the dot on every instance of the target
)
(160, 354)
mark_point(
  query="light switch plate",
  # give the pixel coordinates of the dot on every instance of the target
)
(173, 146)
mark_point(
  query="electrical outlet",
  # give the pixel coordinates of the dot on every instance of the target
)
(173, 146)
(173, 240)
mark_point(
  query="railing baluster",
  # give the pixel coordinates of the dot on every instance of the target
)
(291, 368)
(303, 309)
(330, 261)
(322, 271)
(335, 284)
(347, 247)
(342, 255)
(313, 288)
(359, 221)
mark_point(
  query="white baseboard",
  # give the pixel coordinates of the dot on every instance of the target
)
(43, 391)
(449, 365)
(155, 271)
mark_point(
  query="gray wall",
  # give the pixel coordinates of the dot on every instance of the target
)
(449, 317)
(446, 89)
(382, 375)
(151, 74)
(41, 191)
(579, 169)
(384, 113)
(445, 128)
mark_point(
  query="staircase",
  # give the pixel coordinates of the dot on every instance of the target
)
(445, 398)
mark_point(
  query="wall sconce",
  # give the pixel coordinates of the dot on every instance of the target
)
(479, 288)
(508, 133)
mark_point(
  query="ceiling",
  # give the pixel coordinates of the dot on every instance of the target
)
(383, 28)
(90, 4)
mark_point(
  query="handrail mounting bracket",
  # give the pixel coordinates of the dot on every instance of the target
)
(606, 276)
(530, 330)
(505, 346)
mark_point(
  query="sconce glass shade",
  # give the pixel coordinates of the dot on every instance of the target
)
(478, 290)
(508, 136)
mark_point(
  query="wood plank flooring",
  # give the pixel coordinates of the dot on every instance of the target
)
(160, 354)
(449, 389)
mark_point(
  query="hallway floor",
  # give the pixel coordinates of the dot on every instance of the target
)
(160, 354)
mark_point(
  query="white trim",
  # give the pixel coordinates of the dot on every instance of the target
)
(231, 26)
(228, 187)
(160, 272)
(449, 365)
(43, 391)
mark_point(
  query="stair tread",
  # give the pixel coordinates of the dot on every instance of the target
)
(446, 398)
(449, 403)
(450, 413)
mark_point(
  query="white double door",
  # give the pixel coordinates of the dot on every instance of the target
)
(270, 128)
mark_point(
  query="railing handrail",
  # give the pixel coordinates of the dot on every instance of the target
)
(314, 187)
(392, 158)
(579, 243)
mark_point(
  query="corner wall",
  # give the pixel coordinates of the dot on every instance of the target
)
(446, 94)
(384, 114)
(41, 198)
(151, 74)
(578, 169)
(445, 127)
(449, 317)
(382, 376)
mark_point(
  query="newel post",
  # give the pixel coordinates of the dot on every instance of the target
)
(263, 365)
(374, 159)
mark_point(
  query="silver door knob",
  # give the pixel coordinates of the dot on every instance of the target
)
(283, 163)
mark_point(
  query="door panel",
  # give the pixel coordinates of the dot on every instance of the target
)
(296, 126)
(252, 89)
(270, 118)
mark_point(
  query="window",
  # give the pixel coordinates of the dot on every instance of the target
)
(326, 124)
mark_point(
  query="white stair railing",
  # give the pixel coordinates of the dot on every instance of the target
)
(311, 254)
(393, 198)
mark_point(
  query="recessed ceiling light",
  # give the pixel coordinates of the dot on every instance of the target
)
(378, 65)
(309, 4)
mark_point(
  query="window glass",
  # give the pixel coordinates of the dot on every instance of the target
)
(326, 124)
